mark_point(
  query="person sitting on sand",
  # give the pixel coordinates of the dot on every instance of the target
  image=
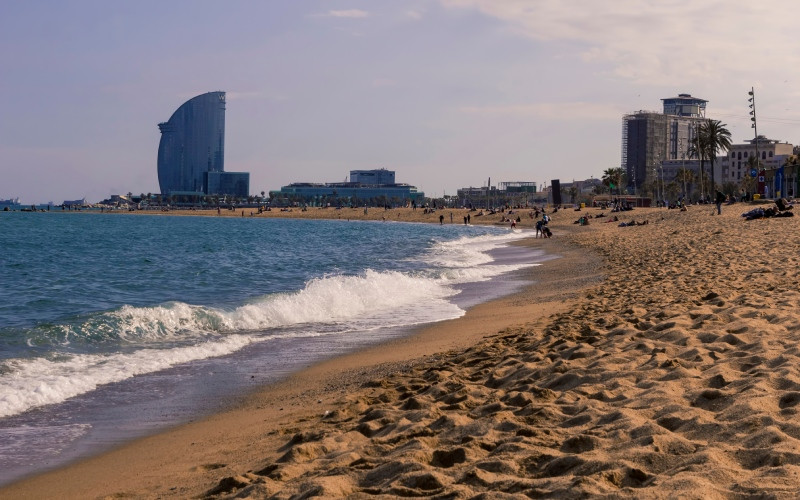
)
(783, 204)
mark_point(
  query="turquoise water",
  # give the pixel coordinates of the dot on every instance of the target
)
(96, 308)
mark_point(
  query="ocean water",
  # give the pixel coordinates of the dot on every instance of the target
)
(116, 325)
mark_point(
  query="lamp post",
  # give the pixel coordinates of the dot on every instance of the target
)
(754, 126)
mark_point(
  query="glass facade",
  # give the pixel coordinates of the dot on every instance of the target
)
(230, 183)
(192, 144)
(372, 177)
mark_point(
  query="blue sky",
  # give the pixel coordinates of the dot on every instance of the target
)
(445, 92)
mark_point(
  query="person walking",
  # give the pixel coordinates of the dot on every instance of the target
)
(720, 198)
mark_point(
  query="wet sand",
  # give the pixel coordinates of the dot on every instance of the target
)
(657, 360)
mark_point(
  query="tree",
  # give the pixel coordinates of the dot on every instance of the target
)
(672, 188)
(729, 188)
(749, 182)
(573, 193)
(717, 139)
(698, 149)
(685, 178)
(613, 178)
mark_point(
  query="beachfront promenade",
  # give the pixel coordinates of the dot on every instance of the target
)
(655, 360)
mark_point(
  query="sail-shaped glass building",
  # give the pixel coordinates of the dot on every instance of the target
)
(192, 144)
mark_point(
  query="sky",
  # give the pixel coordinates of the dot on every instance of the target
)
(447, 93)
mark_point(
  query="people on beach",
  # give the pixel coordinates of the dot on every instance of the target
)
(720, 199)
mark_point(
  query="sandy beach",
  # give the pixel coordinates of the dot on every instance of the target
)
(655, 360)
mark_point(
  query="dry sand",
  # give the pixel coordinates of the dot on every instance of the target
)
(652, 361)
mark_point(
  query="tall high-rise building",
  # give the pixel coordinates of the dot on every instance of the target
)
(192, 144)
(650, 138)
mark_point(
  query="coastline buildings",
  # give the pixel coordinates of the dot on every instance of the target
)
(650, 138)
(10, 204)
(191, 153)
(366, 186)
(509, 192)
(737, 164)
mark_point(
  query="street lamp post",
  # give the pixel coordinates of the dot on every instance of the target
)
(754, 126)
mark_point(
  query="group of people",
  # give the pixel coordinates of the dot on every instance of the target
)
(541, 227)
(782, 208)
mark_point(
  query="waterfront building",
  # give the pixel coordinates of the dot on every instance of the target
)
(75, 203)
(10, 204)
(772, 154)
(504, 193)
(192, 144)
(365, 187)
(650, 138)
(372, 177)
(227, 183)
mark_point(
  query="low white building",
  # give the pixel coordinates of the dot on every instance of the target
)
(772, 154)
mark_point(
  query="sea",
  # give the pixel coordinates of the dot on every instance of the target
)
(115, 326)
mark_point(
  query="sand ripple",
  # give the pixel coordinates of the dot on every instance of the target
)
(678, 376)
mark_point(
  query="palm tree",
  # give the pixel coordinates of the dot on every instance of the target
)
(698, 149)
(613, 178)
(573, 193)
(717, 139)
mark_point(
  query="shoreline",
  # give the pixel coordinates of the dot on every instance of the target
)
(661, 361)
(381, 358)
(401, 214)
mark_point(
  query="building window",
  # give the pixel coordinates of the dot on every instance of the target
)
(739, 175)
(770, 154)
(745, 154)
(733, 154)
(763, 155)
(740, 155)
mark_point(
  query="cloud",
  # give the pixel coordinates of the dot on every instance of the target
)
(414, 14)
(350, 13)
(653, 41)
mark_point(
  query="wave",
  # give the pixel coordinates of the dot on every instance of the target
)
(470, 251)
(322, 300)
(42, 381)
(143, 340)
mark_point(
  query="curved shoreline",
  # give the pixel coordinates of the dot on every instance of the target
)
(290, 399)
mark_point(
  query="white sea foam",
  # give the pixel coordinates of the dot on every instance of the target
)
(174, 333)
(328, 299)
(470, 251)
(39, 381)
(366, 302)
